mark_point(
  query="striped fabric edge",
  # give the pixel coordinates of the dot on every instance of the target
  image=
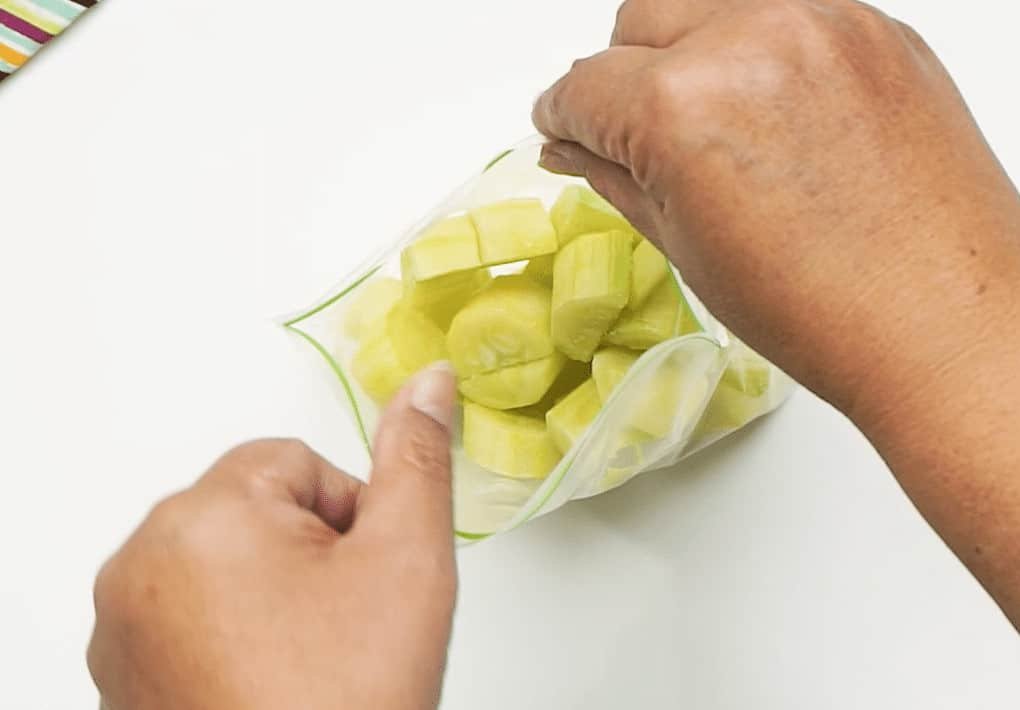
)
(26, 26)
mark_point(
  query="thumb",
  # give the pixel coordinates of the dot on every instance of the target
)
(410, 489)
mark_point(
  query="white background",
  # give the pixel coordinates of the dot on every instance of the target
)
(176, 174)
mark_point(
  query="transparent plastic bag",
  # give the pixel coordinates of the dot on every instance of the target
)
(709, 383)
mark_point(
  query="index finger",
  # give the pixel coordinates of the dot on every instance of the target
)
(591, 104)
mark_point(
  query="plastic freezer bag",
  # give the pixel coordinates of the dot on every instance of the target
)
(582, 358)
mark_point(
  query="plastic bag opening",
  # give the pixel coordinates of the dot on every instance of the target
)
(643, 409)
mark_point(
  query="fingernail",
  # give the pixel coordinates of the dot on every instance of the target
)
(556, 161)
(434, 392)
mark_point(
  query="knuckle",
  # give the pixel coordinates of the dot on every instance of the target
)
(97, 664)
(665, 93)
(107, 592)
(94, 663)
(870, 19)
(790, 21)
(797, 38)
(914, 39)
(284, 451)
(290, 454)
(580, 64)
(627, 15)
(908, 30)
(424, 453)
(120, 591)
(175, 526)
(167, 516)
(256, 463)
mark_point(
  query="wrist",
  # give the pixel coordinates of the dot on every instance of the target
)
(920, 379)
(937, 314)
(949, 432)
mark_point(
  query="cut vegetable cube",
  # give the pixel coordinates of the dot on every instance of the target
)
(660, 400)
(687, 322)
(506, 324)
(516, 386)
(541, 269)
(609, 367)
(446, 247)
(404, 343)
(370, 305)
(580, 210)
(650, 270)
(658, 405)
(617, 476)
(442, 297)
(749, 373)
(573, 376)
(508, 444)
(513, 230)
(570, 419)
(729, 410)
(654, 322)
(591, 286)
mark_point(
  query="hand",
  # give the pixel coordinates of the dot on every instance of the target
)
(801, 162)
(277, 581)
(814, 173)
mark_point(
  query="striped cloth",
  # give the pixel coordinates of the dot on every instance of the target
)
(26, 25)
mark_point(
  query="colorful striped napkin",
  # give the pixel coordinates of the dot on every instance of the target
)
(26, 25)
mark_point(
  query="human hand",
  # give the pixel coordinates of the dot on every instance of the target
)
(813, 171)
(815, 175)
(277, 581)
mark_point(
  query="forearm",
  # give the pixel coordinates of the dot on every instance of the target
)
(952, 439)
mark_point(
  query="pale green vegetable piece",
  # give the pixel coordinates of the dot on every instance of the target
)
(616, 477)
(513, 230)
(580, 210)
(507, 443)
(446, 247)
(515, 386)
(654, 322)
(401, 345)
(541, 269)
(442, 297)
(650, 270)
(370, 305)
(627, 460)
(506, 324)
(740, 396)
(729, 410)
(573, 376)
(609, 367)
(658, 401)
(570, 419)
(749, 373)
(591, 287)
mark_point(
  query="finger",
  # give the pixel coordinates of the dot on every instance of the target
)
(591, 106)
(614, 182)
(661, 23)
(288, 470)
(410, 489)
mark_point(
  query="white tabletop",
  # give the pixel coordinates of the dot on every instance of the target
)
(172, 175)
